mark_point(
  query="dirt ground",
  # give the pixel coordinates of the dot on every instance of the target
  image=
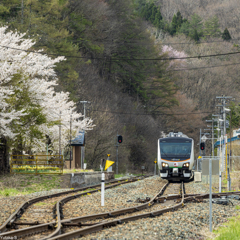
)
(235, 182)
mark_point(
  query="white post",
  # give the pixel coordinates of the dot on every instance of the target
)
(220, 174)
(210, 194)
(102, 189)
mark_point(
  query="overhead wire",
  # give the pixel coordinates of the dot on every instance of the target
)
(150, 114)
(132, 59)
(214, 66)
(170, 43)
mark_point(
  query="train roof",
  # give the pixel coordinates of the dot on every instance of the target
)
(175, 138)
(176, 135)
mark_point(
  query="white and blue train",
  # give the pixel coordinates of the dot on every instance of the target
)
(176, 157)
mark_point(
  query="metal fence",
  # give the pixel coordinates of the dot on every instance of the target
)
(36, 164)
(235, 163)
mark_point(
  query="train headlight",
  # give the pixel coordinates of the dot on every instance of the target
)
(186, 164)
(164, 164)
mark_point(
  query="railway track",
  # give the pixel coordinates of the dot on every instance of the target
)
(80, 220)
(91, 223)
(107, 224)
(11, 223)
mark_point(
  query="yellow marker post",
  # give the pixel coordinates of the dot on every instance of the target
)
(155, 167)
(108, 164)
(198, 162)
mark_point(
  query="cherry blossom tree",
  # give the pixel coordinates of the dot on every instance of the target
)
(173, 53)
(30, 108)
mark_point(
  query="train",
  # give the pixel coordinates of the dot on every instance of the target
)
(176, 157)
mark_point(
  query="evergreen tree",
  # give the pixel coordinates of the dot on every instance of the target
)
(226, 35)
(174, 25)
(195, 26)
(140, 4)
(184, 28)
(157, 21)
(147, 11)
(212, 27)
(195, 35)
(179, 20)
(153, 13)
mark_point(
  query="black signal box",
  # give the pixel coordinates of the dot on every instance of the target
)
(119, 139)
(202, 145)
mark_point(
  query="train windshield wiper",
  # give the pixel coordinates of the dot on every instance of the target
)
(164, 153)
(187, 155)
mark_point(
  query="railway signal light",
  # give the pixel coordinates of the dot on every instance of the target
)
(48, 140)
(202, 146)
(119, 139)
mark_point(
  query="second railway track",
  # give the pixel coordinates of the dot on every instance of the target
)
(67, 228)
(13, 220)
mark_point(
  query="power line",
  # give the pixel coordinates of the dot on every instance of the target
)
(187, 43)
(150, 114)
(170, 43)
(133, 59)
(187, 69)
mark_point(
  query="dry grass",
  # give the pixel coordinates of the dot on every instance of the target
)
(77, 170)
(20, 184)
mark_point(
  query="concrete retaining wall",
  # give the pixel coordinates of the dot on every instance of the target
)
(77, 180)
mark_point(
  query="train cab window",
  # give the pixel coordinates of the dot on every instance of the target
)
(175, 147)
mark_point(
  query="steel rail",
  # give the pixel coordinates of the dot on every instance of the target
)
(110, 214)
(52, 225)
(47, 226)
(28, 203)
(100, 226)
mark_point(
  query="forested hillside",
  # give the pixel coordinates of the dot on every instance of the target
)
(199, 28)
(116, 58)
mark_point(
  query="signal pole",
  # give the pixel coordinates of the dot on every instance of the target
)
(117, 155)
(119, 140)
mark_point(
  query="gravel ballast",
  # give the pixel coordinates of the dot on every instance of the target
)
(190, 222)
(123, 196)
(9, 205)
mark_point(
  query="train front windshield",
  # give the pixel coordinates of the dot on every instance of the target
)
(175, 148)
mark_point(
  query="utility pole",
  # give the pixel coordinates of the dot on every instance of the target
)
(212, 138)
(60, 150)
(224, 109)
(212, 121)
(84, 108)
(230, 157)
(83, 148)
(70, 141)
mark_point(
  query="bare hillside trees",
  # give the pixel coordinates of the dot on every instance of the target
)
(227, 11)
